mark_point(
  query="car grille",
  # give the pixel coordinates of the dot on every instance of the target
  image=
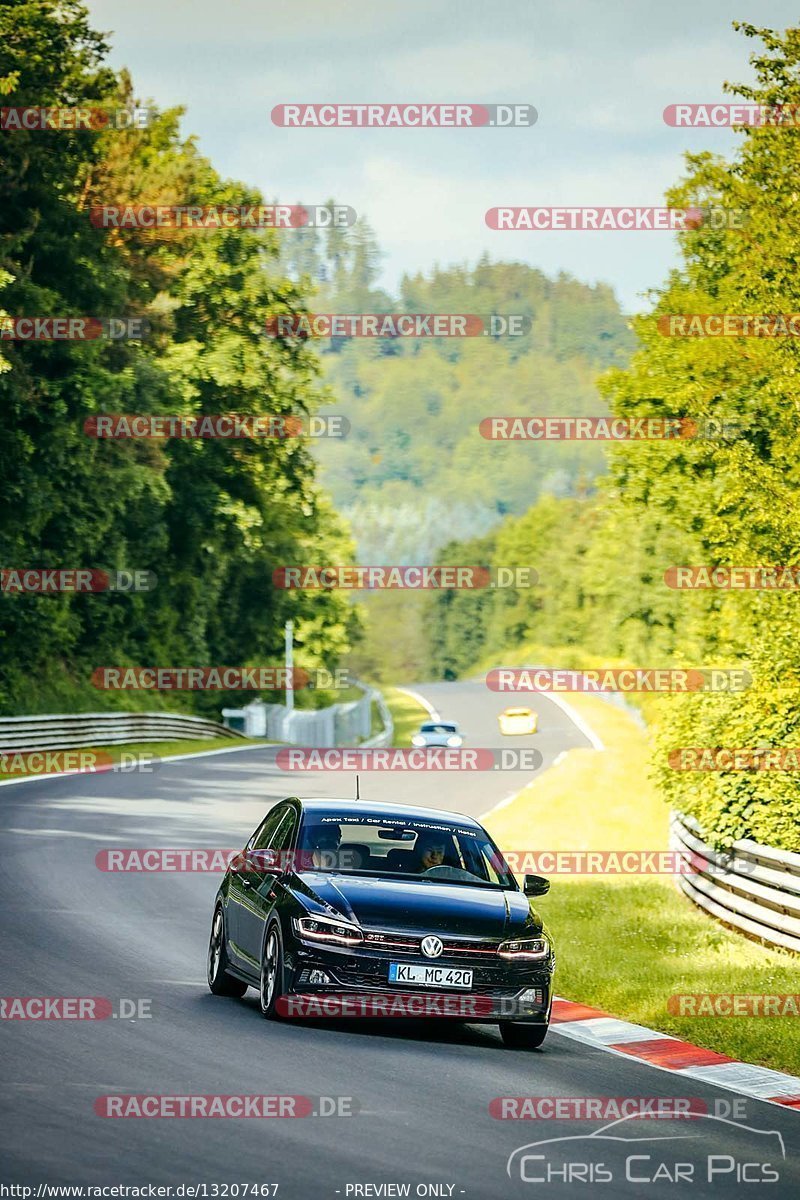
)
(394, 944)
(484, 982)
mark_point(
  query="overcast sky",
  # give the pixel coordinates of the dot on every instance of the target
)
(599, 74)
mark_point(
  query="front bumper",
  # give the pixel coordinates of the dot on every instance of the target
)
(500, 990)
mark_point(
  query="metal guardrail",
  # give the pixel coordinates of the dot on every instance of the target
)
(339, 725)
(344, 724)
(65, 732)
(386, 736)
(754, 888)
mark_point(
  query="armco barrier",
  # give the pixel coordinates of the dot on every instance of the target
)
(65, 732)
(386, 736)
(346, 724)
(753, 888)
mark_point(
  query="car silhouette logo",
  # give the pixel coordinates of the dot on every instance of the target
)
(615, 1132)
(432, 946)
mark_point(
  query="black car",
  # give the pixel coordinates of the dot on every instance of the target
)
(338, 899)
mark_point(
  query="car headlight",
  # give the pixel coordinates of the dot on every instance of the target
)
(417, 740)
(327, 929)
(525, 948)
(454, 740)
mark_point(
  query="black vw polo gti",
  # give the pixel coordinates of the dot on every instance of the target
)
(351, 898)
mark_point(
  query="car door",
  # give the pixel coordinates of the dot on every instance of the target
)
(244, 879)
(262, 893)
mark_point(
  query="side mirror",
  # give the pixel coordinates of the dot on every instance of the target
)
(257, 862)
(536, 885)
(266, 861)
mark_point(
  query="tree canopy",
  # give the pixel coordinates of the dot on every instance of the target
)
(211, 518)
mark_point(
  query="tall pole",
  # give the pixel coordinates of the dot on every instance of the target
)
(288, 630)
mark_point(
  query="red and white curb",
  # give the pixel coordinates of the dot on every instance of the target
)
(596, 1028)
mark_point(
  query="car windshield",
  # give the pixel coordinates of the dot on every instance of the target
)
(438, 728)
(407, 847)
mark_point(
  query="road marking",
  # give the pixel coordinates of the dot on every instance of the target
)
(577, 720)
(426, 704)
(506, 800)
(157, 761)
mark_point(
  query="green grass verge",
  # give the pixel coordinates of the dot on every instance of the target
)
(627, 947)
(626, 944)
(407, 714)
(156, 749)
(592, 800)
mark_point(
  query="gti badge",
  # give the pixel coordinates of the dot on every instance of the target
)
(432, 946)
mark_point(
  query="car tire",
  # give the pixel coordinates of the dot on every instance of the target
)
(272, 986)
(520, 1036)
(219, 981)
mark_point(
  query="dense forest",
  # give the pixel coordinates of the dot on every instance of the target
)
(210, 518)
(731, 501)
(415, 470)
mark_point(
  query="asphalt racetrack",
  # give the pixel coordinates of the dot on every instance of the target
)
(420, 1090)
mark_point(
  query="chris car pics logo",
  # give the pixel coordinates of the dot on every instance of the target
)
(710, 1153)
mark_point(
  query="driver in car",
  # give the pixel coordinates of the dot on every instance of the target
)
(323, 842)
(430, 852)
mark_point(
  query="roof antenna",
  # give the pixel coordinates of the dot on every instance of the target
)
(358, 793)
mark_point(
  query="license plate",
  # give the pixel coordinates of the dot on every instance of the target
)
(453, 977)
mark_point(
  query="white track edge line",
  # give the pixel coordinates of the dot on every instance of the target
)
(116, 766)
(420, 699)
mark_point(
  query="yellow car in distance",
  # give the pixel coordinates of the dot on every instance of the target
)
(518, 720)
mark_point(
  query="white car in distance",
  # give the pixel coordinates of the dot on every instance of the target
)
(438, 733)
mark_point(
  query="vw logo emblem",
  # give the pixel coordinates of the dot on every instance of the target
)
(432, 946)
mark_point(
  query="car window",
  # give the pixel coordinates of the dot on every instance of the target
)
(438, 728)
(261, 838)
(284, 832)
(396, 848)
